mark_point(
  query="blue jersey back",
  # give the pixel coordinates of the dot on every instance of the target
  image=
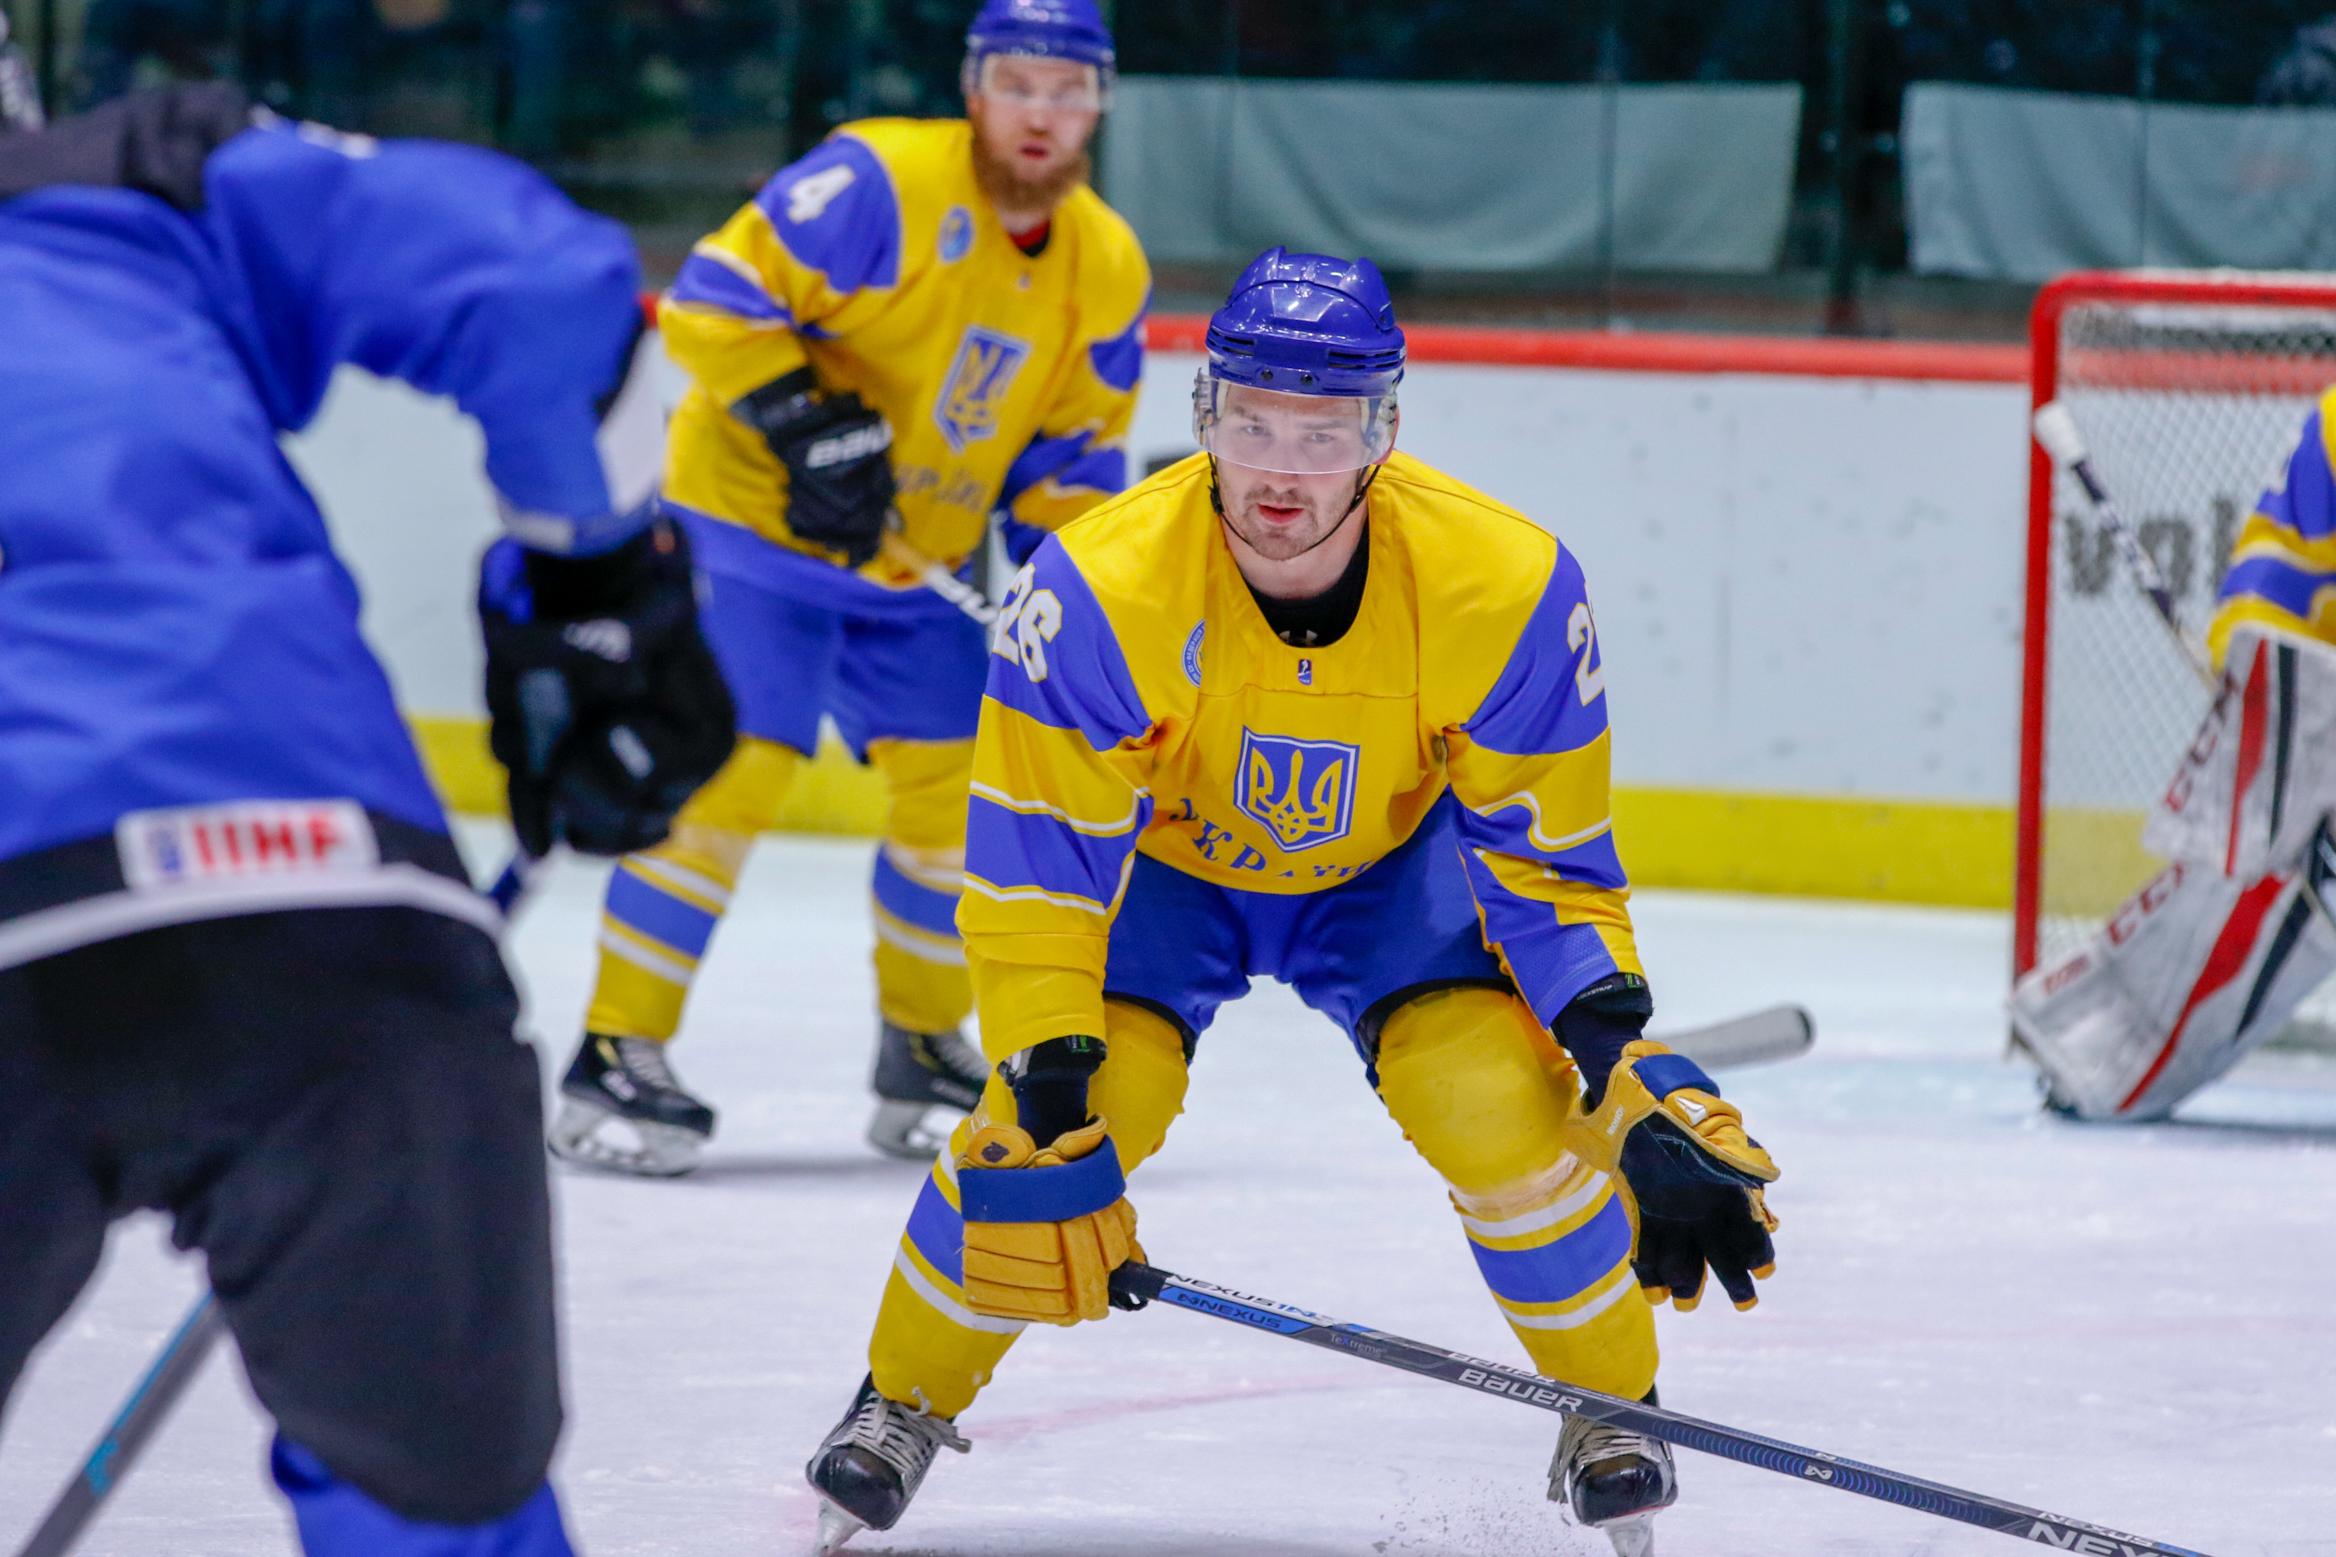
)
(174, 627)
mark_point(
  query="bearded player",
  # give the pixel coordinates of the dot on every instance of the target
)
(1303, 707)
(920, 323)
(2216, 953)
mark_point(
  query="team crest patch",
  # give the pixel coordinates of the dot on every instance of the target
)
(956, 234)
(1303, 791)
(1192, 652)
(967, 408)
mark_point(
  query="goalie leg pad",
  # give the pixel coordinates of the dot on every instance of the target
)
(2261, 771)
(2195, 970)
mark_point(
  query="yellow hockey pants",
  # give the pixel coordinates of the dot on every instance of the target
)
(664, 903)
(1479, 1088)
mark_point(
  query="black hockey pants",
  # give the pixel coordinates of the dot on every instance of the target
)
(331, 1105)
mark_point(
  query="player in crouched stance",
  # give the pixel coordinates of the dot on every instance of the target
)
(2217, 952)
(1303, 707)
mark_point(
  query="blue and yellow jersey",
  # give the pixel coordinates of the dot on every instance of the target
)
(2283, 567)
(1138, 701)
(1009, 380)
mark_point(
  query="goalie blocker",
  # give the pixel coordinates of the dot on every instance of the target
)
(2218, 951)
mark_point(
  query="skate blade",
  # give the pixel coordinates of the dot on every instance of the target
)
(663, 1151)
(835, 1528)
(899, 1130)
(1632, 1537)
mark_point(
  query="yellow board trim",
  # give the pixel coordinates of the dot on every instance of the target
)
(1898, 851)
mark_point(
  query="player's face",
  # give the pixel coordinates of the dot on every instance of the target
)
(1034, 115)
(1283, 514)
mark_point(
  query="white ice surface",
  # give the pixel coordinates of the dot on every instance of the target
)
(2131, 1326)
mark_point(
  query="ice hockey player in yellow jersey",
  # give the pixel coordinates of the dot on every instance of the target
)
(1302, 707)
(922, 323)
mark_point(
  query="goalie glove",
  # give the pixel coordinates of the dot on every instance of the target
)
(605, 705)
(1693, 1178)
(839, 470)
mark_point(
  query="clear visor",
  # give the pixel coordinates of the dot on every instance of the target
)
(1310, 435)
(1033, 81)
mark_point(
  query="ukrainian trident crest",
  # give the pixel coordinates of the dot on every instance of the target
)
(1303, 791)
(967, 408)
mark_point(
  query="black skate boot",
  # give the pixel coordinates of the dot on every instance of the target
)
(916, 1072)
(872, 1462)
(625, 1085)
(1613, 1480)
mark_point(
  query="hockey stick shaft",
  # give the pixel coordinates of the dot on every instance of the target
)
(939, 579)
(1777, 1033)
(125, 1437)
(1135, 1283)
(2057, 431)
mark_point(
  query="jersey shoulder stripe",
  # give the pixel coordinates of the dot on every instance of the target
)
(836, 212)
(1551, 695)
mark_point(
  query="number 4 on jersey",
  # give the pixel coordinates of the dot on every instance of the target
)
(811, 194)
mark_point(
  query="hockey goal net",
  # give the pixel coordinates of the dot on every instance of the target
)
(2190, 388)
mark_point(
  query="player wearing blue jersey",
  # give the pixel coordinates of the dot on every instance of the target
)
(1302, 707)
(243, 976)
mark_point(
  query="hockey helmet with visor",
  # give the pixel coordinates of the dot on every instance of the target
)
(1303, 361)
(1069, 30)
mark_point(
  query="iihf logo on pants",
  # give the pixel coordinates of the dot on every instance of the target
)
(1303, 791)
(967, 407)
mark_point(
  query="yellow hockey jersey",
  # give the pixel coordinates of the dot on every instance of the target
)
(1138, 700)
(1009, 380)
(2283, 567)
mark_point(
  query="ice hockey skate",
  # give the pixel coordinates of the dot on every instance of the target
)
(623, 1086)
(1614, 1480)
(871, 1463)
(915, 1073)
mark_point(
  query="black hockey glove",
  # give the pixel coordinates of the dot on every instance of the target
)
(606, 706)
(839, 475)
(1695, 1178)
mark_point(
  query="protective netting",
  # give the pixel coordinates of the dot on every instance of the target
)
(2190, 410)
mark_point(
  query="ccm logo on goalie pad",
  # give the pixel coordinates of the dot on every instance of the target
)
(251, 838)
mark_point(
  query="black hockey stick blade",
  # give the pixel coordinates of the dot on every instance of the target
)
(1133, 1285)
(1778, 1033)
(125, 1437)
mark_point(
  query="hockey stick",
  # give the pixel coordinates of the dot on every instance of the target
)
(934, 576)
(2057, 431)
(1778, 1033)
(1133, 1285)
(182, 1358)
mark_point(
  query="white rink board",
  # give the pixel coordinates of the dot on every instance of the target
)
(2125, 1325)
(1805, 585)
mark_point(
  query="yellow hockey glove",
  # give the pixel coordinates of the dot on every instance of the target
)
(1044, 1226)
(1693, 1177)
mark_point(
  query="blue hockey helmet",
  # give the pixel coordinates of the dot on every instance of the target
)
(1306, 325)
(1072, 30)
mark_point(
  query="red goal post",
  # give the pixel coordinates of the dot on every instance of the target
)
(2190, 387)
